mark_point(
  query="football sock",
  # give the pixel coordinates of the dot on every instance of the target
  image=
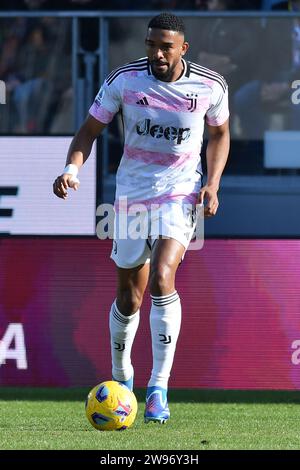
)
(165, 321)
(122, 334)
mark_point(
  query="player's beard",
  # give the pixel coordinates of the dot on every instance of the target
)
(164, 74)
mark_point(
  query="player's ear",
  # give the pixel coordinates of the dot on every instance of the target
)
(184, 48)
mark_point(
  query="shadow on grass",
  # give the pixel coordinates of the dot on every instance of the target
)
(184, 396)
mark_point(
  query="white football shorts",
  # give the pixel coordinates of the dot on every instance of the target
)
(135, 234)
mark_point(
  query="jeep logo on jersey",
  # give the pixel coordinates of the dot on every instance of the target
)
(157, 131)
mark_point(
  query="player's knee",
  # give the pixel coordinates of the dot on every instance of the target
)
(161, 279)
(129, 301)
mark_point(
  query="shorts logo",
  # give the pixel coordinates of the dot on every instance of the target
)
(193, 102)
(191, 217)
(178, 135)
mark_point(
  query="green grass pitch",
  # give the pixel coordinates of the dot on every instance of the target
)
(200, 420)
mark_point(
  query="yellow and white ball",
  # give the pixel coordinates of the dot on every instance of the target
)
(111, 406)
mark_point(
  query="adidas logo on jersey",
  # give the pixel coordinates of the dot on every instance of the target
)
(143, 101)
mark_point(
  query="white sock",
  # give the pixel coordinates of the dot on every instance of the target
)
(122, 334)
(165, 321)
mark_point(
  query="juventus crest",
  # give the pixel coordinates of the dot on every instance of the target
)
(192, 97)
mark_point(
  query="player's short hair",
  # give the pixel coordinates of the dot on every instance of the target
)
(167, 21)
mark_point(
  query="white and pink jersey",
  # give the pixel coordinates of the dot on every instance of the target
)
(163, 128)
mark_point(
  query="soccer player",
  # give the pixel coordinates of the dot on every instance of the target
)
(165, 102)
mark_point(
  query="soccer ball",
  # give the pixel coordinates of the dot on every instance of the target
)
(111, 406)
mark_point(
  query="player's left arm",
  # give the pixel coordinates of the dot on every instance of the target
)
(216, 158)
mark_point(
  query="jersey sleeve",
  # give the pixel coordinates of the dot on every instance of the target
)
(218, 111)
(107, 103)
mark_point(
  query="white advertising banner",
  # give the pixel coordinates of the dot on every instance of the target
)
(28, 168)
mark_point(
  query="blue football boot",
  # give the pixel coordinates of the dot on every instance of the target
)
(157, 409)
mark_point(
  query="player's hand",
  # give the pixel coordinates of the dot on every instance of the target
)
(208, 196)
(62, 183)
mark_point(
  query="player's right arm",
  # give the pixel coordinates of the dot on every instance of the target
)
(78, 153)
(106, 104)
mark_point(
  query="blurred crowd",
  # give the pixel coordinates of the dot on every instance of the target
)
(134, 4)
(143, 5)
(35, 64)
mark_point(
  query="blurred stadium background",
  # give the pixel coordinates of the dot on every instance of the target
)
(240, 294)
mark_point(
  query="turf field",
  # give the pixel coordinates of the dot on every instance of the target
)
(55, 419)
